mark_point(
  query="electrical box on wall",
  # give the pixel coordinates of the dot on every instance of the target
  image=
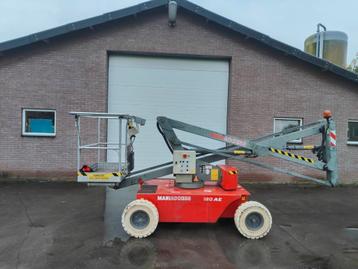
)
(184, 162)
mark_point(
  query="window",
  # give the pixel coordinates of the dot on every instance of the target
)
(282, 124)
(38, 122)
(352, 132)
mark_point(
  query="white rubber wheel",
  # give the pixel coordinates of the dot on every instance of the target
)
(253, 220)
(140, 218)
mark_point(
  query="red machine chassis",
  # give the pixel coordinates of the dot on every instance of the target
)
(206, 204)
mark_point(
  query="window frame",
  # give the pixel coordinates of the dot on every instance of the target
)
(23, 122)
(351, 142)
(296, 141)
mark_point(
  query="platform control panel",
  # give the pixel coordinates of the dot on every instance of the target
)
(184, 162)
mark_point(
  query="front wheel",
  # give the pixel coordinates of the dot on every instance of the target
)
(140, 218)
(253, 220)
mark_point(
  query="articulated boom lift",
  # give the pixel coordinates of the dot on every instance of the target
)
(204, 192)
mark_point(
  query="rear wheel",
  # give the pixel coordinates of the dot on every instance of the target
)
(140, 218)
(253, 220)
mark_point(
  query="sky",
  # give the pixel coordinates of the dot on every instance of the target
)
(288, 21)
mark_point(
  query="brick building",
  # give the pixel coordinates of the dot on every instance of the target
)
(206, 70)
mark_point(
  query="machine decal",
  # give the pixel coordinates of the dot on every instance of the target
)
(212, 199)
(214, 174)
(333, 137)
(173, 198)
(228, 139)
(291, 155)
(99, 176)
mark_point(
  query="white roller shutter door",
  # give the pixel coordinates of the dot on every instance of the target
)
(190, 90)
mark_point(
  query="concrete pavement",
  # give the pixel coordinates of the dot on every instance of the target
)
(67, 225)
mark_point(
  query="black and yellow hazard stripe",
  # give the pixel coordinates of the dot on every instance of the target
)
(233, 172)
(291, 155)
(99, 176)
(81, 173)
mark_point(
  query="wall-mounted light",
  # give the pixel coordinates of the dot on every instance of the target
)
(172, 12)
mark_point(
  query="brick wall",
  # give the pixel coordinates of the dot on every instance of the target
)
(70, 73)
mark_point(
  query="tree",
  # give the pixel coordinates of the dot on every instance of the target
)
(354, 65)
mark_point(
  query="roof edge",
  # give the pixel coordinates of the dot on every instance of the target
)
(191, 7)
(267, 40)
(80, 25)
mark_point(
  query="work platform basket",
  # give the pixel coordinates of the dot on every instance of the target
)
(111, 151)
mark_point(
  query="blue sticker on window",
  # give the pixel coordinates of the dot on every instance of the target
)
(41, 126)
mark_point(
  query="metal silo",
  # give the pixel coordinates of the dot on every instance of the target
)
(329, 45)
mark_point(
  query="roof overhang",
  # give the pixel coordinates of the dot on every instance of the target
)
(90, 23)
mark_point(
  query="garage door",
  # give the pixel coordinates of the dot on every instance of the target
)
(190, 90)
